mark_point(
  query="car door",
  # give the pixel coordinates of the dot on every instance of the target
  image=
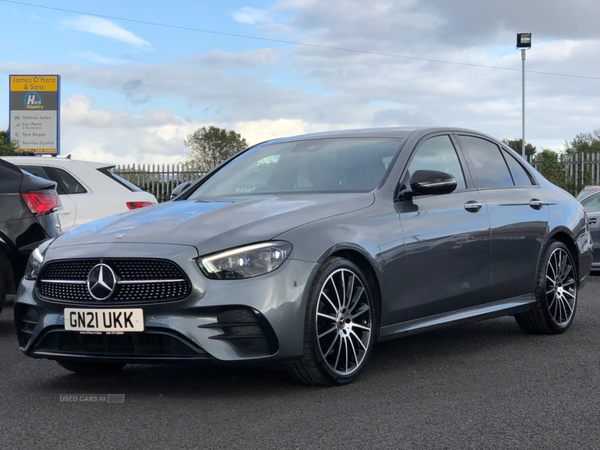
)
(446, 239)
(591, 205)
(66, 215)
(518, 212)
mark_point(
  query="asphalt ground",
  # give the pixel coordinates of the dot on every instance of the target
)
(485, 385)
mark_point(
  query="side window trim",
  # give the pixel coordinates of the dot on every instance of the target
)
(512, 177)
(469, 184)
(529, 174)
(464, 162)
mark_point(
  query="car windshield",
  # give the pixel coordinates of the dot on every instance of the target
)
(320, 165)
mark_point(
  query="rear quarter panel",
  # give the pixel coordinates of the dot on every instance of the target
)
(567, 217)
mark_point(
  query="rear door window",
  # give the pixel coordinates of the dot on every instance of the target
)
(68, 182)
(44, 172)
(38, 171)
(489, 166)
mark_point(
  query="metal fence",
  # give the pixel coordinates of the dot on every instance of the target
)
(160, 179)
(571, 172)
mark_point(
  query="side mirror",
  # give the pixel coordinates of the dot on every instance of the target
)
(428, 182)
(179, 189)
(432, 182)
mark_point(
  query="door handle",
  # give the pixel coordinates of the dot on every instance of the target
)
(536, 204)
(473, 206)
(592, 221)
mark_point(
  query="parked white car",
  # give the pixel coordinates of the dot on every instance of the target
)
(87, 190)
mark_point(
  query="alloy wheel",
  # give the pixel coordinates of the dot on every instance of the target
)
(561, 288)
(344, 322)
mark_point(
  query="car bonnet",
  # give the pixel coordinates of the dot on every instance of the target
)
(216, 224)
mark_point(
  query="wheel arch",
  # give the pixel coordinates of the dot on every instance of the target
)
(563, 235)
(360, 257)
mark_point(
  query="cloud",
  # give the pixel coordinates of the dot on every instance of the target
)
(299, 89)
(409, 25)
(220, 59)
(256, 131)
(155, 137)
(252, 16)
(120, 136)
(107, 29)
(131, 90)
(79, 110)
(92, 57)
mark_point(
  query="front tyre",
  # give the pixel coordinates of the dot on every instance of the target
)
(89, 368)
(556, 293)
(340, 326)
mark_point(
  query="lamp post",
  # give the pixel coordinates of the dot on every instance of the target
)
(523, 42)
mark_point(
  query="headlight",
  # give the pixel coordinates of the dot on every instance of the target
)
(246, 262)
(36, 259)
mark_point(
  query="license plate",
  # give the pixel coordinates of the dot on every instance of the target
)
(104, 320)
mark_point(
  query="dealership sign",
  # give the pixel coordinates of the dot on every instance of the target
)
(34, 113)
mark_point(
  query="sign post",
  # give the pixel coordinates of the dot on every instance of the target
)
(35, 113)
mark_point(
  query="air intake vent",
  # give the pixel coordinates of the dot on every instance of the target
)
(149, 344)
(247, 330)
(26, 319)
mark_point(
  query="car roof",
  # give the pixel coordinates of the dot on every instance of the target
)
(54, 161)
(588, 191)
(388, 132)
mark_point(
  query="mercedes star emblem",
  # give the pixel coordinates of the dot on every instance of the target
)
(101, 282)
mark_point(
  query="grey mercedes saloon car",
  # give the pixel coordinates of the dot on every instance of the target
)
(304, 252)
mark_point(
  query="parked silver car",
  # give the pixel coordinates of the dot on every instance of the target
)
(305, 251)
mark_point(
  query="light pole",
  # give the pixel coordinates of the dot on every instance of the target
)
(523, 42)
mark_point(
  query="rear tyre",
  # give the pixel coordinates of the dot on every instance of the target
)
(556, 293)
(88, 368)
(340, 325)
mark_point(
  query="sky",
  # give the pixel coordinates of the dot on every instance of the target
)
(138, 76)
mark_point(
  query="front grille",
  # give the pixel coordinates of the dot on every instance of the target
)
(148, 344)
(138, 280)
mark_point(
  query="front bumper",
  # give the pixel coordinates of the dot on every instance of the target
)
(257, 320)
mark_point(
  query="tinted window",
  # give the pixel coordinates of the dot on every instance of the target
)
(43, 172)
(487, 161)
(438, 153)
(332, 165)
(70, 184)
(591, 204)
(37, 171)
(520, 175)
(122, 181)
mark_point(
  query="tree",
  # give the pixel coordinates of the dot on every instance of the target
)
(584, 143)
(517, 145)
(211, 146)
(7, 148)
(548, 164)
